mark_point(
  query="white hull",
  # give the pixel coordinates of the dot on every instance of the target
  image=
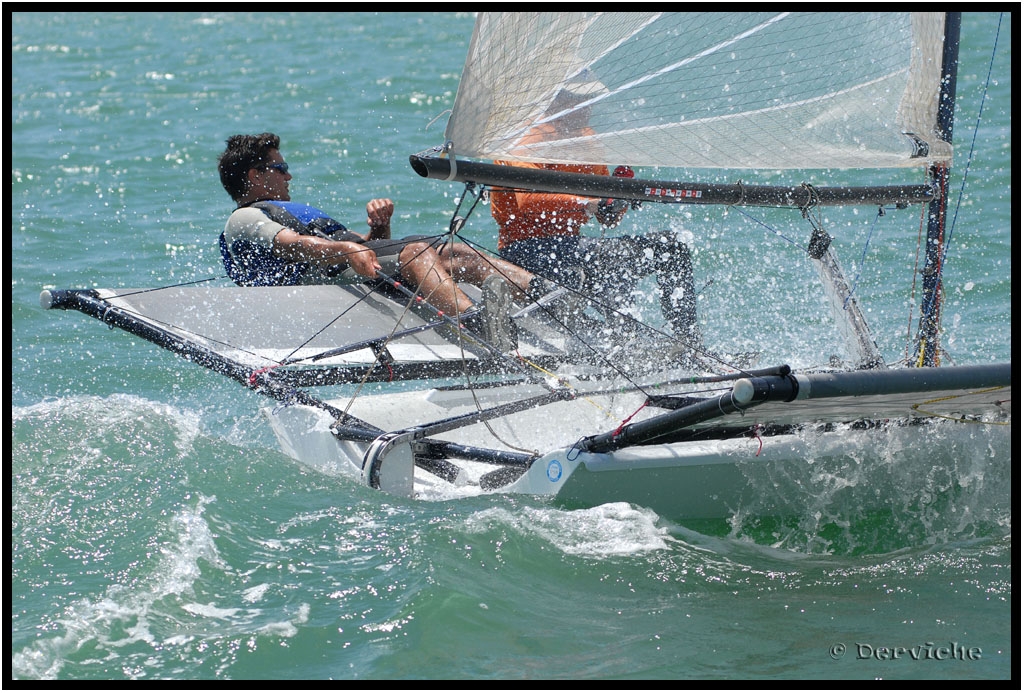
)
(771, 475)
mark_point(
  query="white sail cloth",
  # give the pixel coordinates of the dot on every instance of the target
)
(752, 90)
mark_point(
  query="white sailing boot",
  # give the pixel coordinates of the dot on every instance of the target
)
(498, 328)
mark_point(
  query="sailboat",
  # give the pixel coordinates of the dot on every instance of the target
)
(605, 408)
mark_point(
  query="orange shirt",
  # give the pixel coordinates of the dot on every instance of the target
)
(524, 214)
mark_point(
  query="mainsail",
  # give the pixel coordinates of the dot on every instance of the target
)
(756, 90)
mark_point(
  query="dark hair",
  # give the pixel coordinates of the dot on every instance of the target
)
(566, 99)
(244, 152)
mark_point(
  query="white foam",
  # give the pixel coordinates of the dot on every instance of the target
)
(114, 412)
(254, 594)
(606, 530)
(122, 615)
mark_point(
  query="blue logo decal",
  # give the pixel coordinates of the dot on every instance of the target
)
(554, 470)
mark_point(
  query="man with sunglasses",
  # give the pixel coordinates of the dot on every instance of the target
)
(271, 241)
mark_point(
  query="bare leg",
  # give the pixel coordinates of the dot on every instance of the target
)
(424, 268)
(470, 265)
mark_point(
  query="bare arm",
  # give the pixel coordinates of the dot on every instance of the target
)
(295, 247)
(378, 217)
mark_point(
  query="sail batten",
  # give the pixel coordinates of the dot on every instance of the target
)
(703, 90)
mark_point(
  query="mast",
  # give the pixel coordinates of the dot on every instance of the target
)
(927, 353)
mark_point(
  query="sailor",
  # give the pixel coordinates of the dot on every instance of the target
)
(270, 241)
(542, 231)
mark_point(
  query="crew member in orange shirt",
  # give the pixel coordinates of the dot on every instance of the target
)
(542, 232)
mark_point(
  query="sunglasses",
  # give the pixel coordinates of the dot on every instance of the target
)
(282, 167)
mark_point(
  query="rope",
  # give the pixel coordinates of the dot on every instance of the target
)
(627, 419)
(755, 433)
(961, 419)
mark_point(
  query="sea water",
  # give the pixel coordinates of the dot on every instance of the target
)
(158, 533)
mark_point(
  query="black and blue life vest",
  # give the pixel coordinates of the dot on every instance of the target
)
(253, 264)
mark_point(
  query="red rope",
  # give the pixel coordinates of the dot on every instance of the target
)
(626, 420)
(254, 374)
(760, 443)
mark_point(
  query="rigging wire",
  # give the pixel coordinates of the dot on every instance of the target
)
(759, 222)
(174, 286)
(974, 138)
(863, 257)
